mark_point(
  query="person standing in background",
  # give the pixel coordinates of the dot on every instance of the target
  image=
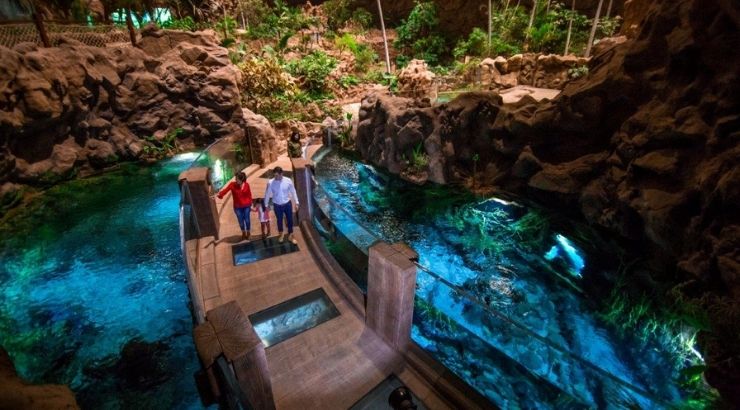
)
(281, 189)
(242, 198)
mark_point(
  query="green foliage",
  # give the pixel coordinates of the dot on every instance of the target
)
(362, 18)
(577, 72)
(263, 80)
(237, 54)
(338, 13)
(313, 70)
(347, 81)
(608, 26)
(364, 55)
(185, 24)
(163, 148)
(281, 22)
(419, 37)
(227, 28)
(345, 133)
(386, 79)
(475, 45)
(419, 159)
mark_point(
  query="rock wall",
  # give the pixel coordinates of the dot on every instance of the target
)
(75, 108)
(17, 394)
(646, 146)
(537, 70)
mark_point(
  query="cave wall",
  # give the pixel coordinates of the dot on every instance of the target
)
(645, 146)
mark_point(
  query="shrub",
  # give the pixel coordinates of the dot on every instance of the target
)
(418, 35)
(338, 13)
(262, 79)
(313, 70)
(364, 55)
(185, 24)
(475, 45)
(362, 18)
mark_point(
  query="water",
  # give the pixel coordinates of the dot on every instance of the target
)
(517, 309)
(93, 266)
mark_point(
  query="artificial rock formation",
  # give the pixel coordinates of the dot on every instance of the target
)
(537, 70)
(646, 146)
(73, 108)
(416, 80)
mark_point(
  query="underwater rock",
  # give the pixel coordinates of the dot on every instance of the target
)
(143, 365)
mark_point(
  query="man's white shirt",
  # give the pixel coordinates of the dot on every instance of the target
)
(281, 191)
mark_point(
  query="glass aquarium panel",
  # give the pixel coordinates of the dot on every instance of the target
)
(345, 238)
(290, 318)
(479, 344)
(225, 157)
(261, 249)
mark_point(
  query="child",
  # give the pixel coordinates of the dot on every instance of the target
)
(264, 215)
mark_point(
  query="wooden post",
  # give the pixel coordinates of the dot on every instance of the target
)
(130, 26)
(228, 332)
(390, 292)
(203, 206)
(302, 181)
(39, 22)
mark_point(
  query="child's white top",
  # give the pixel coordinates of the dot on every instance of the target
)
(264, 215)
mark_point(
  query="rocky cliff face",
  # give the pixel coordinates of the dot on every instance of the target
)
(646, 146)
(74, 108)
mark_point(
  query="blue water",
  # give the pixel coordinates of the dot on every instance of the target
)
(95, 265)
(546, 346)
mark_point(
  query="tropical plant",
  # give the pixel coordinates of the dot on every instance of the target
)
(313, 70)
(475, 45)
(418, 35)
(264, 79)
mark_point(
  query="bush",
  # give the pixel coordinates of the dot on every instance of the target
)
(313, 69)
(475, 45)
(264, 78)
(338, 13)
(418, 36)
(362, 18)
(364, 55)
(185, 24)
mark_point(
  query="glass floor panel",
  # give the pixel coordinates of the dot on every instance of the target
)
(377, 398)
(292, 317)
(261, 249)
(269, 174)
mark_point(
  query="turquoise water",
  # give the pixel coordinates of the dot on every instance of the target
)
(513, 298)
(94, 268)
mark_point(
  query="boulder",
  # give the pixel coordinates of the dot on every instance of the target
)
(416, 80)
(15, 393)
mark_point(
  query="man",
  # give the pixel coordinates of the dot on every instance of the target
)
(280, 189)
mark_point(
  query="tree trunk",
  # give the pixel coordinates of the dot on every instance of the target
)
(531, 18)
(490, 28)
(39, 21)
(609, 9)
(593, 29)
(130, 26)
(385, 39)
(570, 27)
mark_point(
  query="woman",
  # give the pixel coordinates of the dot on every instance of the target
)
(242, 198)
(295, 149)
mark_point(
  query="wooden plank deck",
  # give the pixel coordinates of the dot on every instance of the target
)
(331, 366)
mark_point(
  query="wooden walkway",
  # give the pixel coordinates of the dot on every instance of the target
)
(331, 366)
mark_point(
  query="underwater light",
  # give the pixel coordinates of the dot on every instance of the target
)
(218, 170)
(570, 253)
(185, 157)
(688, 339)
